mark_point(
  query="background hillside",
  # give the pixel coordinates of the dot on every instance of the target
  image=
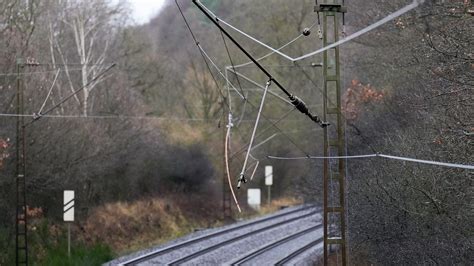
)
(408, 91)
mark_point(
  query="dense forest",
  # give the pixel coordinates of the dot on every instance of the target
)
(153, 125)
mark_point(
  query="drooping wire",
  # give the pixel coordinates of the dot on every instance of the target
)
(252, 105)
(203, 52)
(392, 157)
(305, 73)
(39, 72)
(101, 74)
(298, 103)
(203, 57)
(49, 93)
(357, 34)
(226, 154)
(231, 61)
(242, 149)
(281, 47)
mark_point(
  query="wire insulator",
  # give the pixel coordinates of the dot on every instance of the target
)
(306, 32)
(240, 180)
(301, 106)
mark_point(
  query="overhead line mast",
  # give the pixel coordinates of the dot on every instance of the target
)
(334, 211)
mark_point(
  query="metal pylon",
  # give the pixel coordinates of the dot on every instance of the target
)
(21, 228)
(334, 139)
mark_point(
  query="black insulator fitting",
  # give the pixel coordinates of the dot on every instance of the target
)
(37, 116)
(240, 180)
(306, 32)
(299, 104)
(324, 124)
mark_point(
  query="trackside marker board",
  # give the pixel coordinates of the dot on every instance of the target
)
(68, 205)
(268, 175)
(254, 198)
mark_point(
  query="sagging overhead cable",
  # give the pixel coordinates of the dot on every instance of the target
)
(295, 101)
(36, 117)
(452, 165)
(218, 70)
(357, 34)
(226, 154)
(280, 48)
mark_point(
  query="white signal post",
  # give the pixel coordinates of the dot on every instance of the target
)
(269, 181)
(68, 215)
(254, 198)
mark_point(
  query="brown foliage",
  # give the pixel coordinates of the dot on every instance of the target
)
(357, 95)
(3, 150)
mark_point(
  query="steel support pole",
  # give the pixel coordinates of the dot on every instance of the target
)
(334, 140)
(269, 199)
(69, 240)
(21, 228)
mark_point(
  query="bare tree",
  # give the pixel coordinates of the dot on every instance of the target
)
(89, 27)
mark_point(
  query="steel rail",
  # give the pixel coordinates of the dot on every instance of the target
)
(232, 240)
(168, 249)
(250, 256)
(299, 251)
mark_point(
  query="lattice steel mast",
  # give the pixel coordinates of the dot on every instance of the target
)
(334, 139)
(21, 226)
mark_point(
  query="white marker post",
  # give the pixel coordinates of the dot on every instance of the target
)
(254, 198)
(269, 181)
(68, 215)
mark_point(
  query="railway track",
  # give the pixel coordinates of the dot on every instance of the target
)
(299, 252)
(177, 253)
(247, 258)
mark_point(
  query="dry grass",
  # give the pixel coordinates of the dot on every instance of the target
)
(278, 204)
(127, 227)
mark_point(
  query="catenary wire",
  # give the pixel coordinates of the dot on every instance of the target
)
(39, 72)
(305, 73)
(91, 117)
(101, 74)
(357, 34)
(49, 92)
(298, 103)
(231, 62)
(252, 105)
(452, 165)
(218, 69)
(200, 50)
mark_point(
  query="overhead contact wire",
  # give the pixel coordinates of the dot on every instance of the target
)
(205, 55)
(451, 165)
(231, 62)
(49, 92)
(252, 105)
(38, 116)
(200, 50)
(357, 34)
